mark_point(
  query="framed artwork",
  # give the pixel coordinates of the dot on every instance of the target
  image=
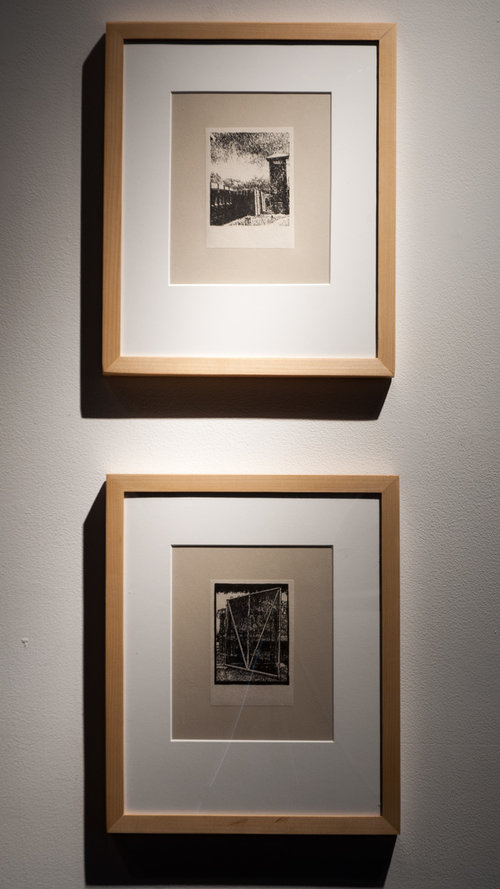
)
(249, 199)
(252, 654)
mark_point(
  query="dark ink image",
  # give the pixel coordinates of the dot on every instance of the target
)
(251, 633)
(249, 177)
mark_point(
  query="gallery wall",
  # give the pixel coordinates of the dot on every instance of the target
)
(64, 427)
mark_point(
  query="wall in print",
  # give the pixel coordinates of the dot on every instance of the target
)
(249, 173)
(252, 629)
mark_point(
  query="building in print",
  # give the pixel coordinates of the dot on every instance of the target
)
(279, 189)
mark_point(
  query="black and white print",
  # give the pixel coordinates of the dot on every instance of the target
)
(251, 633)
(250, 187)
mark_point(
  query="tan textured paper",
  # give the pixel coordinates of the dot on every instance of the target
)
(309, 116)
(308, 715)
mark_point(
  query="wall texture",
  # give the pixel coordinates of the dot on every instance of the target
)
(63, 428)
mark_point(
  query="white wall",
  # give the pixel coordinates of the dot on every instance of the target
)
(438, 428)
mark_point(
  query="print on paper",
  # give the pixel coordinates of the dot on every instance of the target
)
(249, 181)
(252, 631)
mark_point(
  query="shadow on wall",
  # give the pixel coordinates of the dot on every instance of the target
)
(129, 397)
(130, 860)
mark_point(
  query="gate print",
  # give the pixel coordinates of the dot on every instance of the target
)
(251, 633)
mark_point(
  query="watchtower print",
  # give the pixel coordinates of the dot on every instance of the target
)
(249, 177)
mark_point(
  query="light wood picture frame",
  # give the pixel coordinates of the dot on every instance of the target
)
(158, 783)
(342, 326)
